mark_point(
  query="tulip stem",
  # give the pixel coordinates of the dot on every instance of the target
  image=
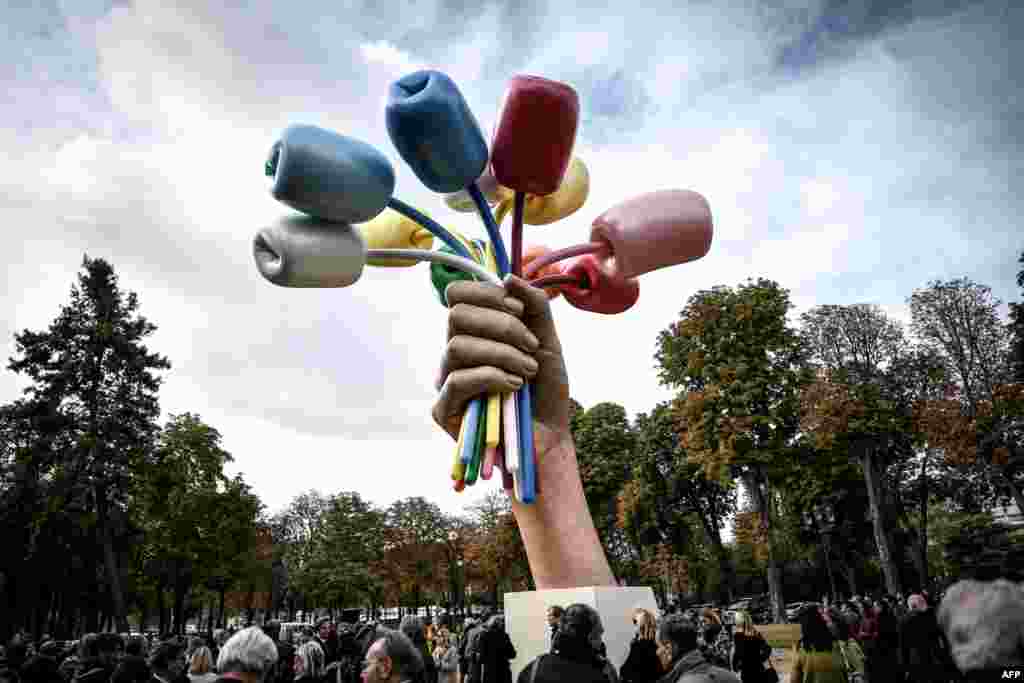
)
(484, 209)
(430, 225)
(540, 263)
(518, 210)
(558, 280)
(450, 260)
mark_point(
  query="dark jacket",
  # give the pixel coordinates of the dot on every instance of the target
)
(496, 653)
(694, 668)
(749, 655)
(554, 668)
(465, 651)
(132, 669)
(94, 670)
(642, 664)
(924, 652)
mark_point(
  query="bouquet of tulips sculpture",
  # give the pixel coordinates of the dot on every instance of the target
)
(344, 189)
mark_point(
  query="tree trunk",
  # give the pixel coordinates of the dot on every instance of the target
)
(762, 501)
(162, 609)
(220, 613)
(924, 519)
(882, 541)
(110, 560)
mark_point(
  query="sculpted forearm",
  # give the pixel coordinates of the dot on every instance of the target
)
(561, 542)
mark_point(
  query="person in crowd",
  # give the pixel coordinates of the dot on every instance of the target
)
(849, 649)
(349, 663)
(984, 625)
(574, 654)
(446, 658)
(430, 633)
(554, 614)
(816, 659)
(750, 651)
(40, 669)
(681, 657)
(714, 644)
(324, 640)
(392, 658)
(881, 653)
(642, 664)
(283, 670)
(133, 667)
(923, 651)
(15, 656)
(220, 636)
(248, 656)
(415, 630)
(496, 652)
(167, 662)
(309, 662)
(201, 666)
(100, 659)
(465, 660)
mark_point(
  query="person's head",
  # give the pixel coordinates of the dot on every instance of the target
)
(220, 636)
(814, 632)
(307, 634)
(984, 624)
(917, 603)
(710, 616)
(39, 669)
(168, 659)
(554, 614)
(744, 623)
(677, 637)
(580, 625)
(136, 646)
(414, 630)
(309, 661)
(323, 628)
(837, 625)
(391, 658)
(273, 630)
(249, 651)
(201, 661)
(644, 623)
(496, 623)
(106, 646)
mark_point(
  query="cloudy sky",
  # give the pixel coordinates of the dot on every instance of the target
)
(850, 150)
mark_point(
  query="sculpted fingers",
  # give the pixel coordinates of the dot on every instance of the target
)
(466, 319)
(462, 385)
(469, 352)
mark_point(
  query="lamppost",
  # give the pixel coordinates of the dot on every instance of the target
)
(454, 566)
(823, 520)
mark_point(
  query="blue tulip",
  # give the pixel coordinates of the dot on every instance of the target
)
(433, 129)
(330, 176)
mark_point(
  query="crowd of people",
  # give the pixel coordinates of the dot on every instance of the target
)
(975, 630)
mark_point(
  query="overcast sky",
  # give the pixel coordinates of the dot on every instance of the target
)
(850, 150)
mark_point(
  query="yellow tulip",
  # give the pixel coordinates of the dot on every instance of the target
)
(392, 230)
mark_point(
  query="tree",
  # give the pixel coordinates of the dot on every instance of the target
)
(604, 448)
(177, 500)
(738, 366)
(415, 533)
(980, 422)
(667, 488)
(853, 407)
(1017, 329)
(91, 372)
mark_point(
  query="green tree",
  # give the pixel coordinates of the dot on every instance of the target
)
(667, 488)
(604, 448)
(738, 367)
(415, 533)
(91, 372)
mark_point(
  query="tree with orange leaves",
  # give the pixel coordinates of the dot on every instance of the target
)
(980, 421)
(739, 368)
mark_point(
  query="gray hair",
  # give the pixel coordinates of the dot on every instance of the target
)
(984, 624)
(405, 657)
(248, 651)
